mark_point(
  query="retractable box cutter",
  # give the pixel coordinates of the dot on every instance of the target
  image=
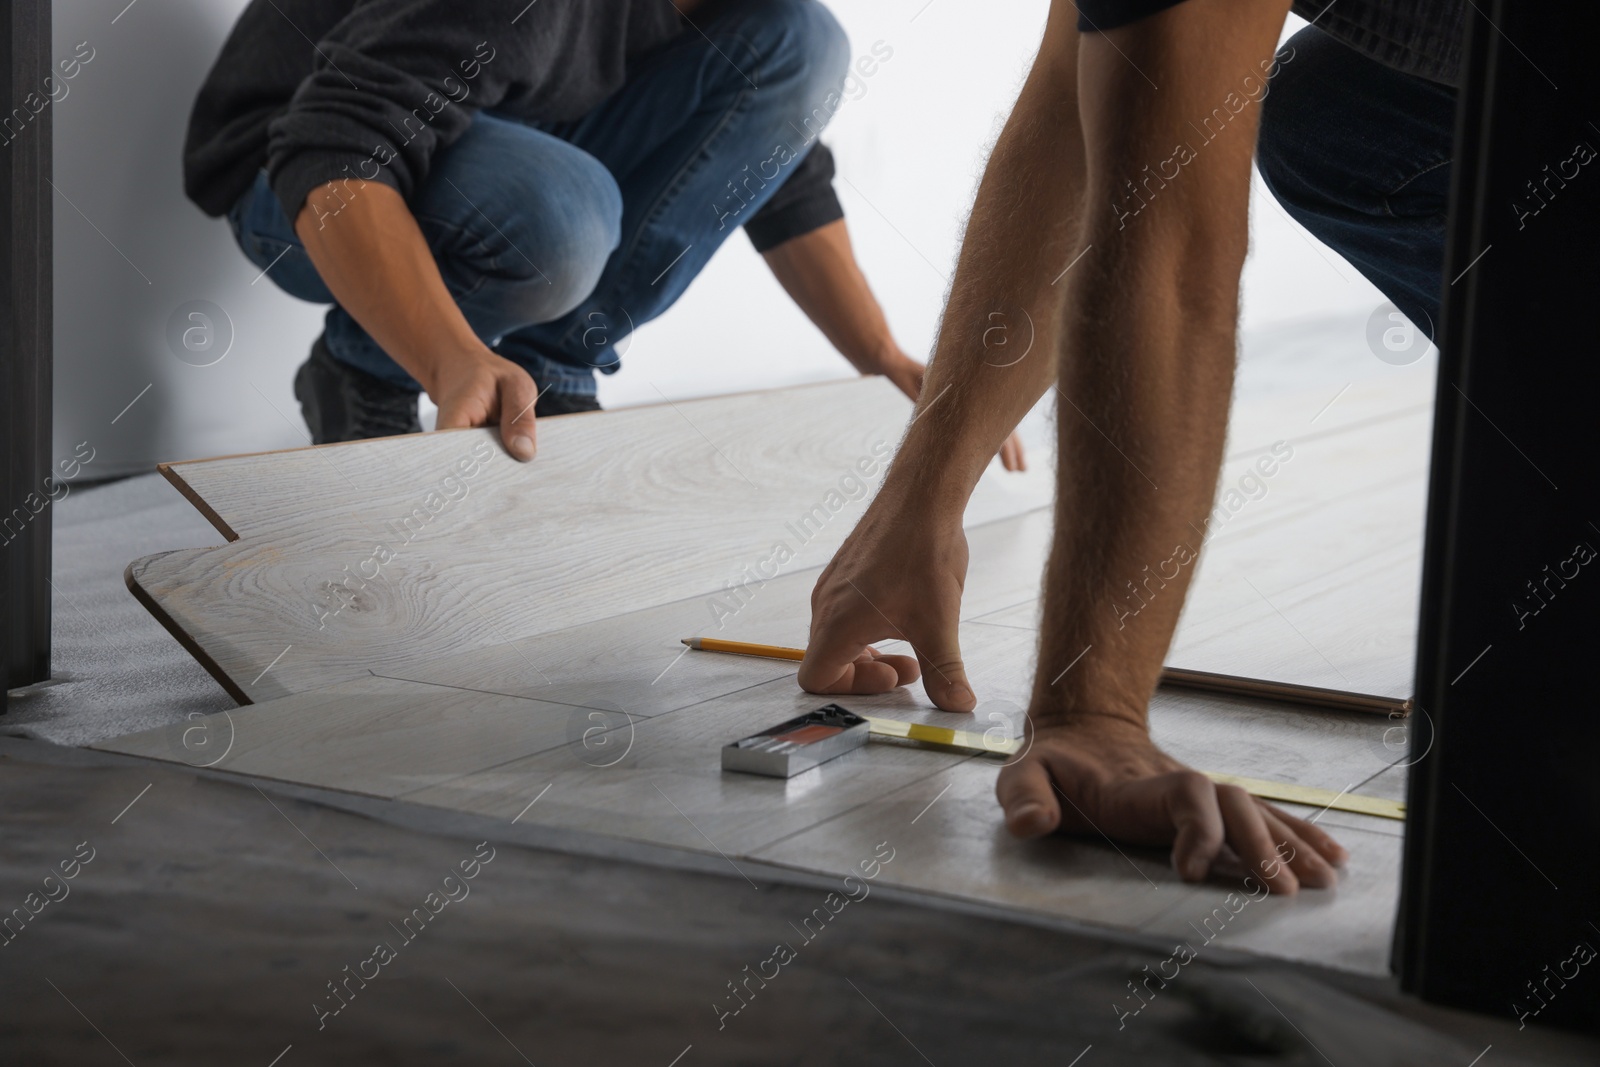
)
(799, 744)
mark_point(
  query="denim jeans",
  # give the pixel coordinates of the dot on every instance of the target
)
(557, 240)
(1359, 154)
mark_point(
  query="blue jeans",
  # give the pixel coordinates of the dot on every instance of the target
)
(1359, 154)
(557, 240)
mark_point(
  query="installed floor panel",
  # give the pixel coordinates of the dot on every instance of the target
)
(657, 780)
(377, 736)
(1314, 580)
(517, 655)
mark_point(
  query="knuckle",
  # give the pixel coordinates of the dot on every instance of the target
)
(1195, 785)
(1230, 793)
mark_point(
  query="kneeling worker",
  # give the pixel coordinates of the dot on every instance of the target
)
(493, 195)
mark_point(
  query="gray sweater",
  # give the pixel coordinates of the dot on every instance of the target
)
(323, 90)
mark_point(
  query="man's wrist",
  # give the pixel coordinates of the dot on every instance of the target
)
(434, 365)
(1107, 718)
(923, 484)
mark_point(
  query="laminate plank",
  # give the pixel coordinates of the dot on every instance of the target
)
(1252, 738)
(1333, 750)
(635, 661)
(1314, 582)
(668, 787)
(949, 840)
(379, 737)
(1023, 616)
(1347, 620)
(1293, 412)
(1349, 926)
(1006, 561)
(815, 431)
(364, 556)
(1391, 781)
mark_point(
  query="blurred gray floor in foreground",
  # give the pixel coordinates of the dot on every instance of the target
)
(214, 915)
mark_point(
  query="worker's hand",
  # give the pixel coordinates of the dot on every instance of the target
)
(898, 575)
(1102, 776)
(907, 374)
(483, 389)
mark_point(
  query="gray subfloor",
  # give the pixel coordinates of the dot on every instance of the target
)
(116, 669)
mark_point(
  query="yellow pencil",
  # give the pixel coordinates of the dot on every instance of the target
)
(744, 648)
(1330, 699)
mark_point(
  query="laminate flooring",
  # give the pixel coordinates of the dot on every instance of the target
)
(422, 619)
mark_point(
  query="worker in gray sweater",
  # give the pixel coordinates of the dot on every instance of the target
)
(493, 194)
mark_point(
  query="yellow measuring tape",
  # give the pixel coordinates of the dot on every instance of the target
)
(993, 745)
(1313, 797)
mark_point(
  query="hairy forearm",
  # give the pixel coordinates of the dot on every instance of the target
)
(1141, 421)
(997, 340)
(1147, 359)
(367, 247)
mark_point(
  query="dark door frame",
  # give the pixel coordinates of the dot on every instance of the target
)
(25, 342)
(1501, 877)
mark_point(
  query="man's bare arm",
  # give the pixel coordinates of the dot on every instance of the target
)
(1146, 344)
(820, 273)
(1021, 236)
(1146, 377)
(366, 245)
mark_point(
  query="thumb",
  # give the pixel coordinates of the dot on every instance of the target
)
(944, 675)
(1026, 796)
(518, 394)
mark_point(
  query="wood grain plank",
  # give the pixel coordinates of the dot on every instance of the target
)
(1006, 561)
(366, 555)
(1349, 927)
(1257, 739)
(635, 661)
(1315, 581)
(668, 787)
(949, 840)
(375, 736)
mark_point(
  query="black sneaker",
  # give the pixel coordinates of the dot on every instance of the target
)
(341, 403)
(562, 404)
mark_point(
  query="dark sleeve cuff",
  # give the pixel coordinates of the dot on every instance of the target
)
(796, 220)
(804, 203)
(1096, 15)
(295, 177)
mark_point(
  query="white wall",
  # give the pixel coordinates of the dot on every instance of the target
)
(130, 250)
(909, 152)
